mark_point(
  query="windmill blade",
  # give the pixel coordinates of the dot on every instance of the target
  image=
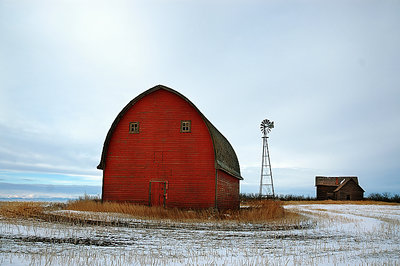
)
(266, 126)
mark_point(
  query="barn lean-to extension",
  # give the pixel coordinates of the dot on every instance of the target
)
(161, 150)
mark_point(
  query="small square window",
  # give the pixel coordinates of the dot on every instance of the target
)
(186, 126)
(134, 127)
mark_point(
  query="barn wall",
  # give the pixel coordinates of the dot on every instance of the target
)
(350, 191)
(160, 152)
(325, 192)
(228, 191)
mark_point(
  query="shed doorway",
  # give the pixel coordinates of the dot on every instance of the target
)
(157, 193)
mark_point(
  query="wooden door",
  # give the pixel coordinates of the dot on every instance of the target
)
(157, 193)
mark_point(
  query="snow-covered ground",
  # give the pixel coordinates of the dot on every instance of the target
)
(332, 235)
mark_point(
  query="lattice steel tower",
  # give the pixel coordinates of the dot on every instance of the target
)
(266, 183)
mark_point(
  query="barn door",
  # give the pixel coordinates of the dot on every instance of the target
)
(157, 193)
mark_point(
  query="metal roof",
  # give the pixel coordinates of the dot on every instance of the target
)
(225, 156)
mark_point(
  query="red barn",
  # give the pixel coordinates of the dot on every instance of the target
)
(161, 150)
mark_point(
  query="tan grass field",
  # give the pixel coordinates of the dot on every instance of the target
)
(255, 212)
(252, 211)
(21, 209)
(258, 212)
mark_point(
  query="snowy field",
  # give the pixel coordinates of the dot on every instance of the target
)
(329, 235)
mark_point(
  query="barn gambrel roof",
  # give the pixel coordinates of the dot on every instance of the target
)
(225, 156)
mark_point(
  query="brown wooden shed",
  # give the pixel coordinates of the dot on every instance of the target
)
(338, 188)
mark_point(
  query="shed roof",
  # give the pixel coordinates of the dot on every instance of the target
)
(346, 182)
(225, 156)
(333, 180)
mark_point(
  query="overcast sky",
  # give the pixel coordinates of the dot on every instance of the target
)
(327, 73)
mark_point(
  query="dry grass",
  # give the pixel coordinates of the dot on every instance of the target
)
(255, 212)
(355, 202)
(21, 209)
(260, 211)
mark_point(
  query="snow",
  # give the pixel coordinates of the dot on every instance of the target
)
(333, 234)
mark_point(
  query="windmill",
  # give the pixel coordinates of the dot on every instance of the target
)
(266, 183)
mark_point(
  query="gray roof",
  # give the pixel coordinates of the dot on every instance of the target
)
(333, 180)
(225, 156)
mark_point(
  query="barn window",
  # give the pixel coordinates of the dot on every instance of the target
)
(134, 127)
(186, 126)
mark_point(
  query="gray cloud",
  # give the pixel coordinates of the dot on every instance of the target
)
(326, 73)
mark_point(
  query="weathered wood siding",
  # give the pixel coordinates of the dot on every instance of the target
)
(325, 192)
(160, 152)
(350, 191)
(228, 191)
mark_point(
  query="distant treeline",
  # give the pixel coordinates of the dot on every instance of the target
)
(252, 196)
(386, 197)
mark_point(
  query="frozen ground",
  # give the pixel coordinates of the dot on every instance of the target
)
(332, 235)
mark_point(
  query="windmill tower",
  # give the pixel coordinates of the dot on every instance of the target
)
(266, 183)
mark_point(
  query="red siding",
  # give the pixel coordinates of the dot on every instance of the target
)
(228, 191)
(160, 152)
